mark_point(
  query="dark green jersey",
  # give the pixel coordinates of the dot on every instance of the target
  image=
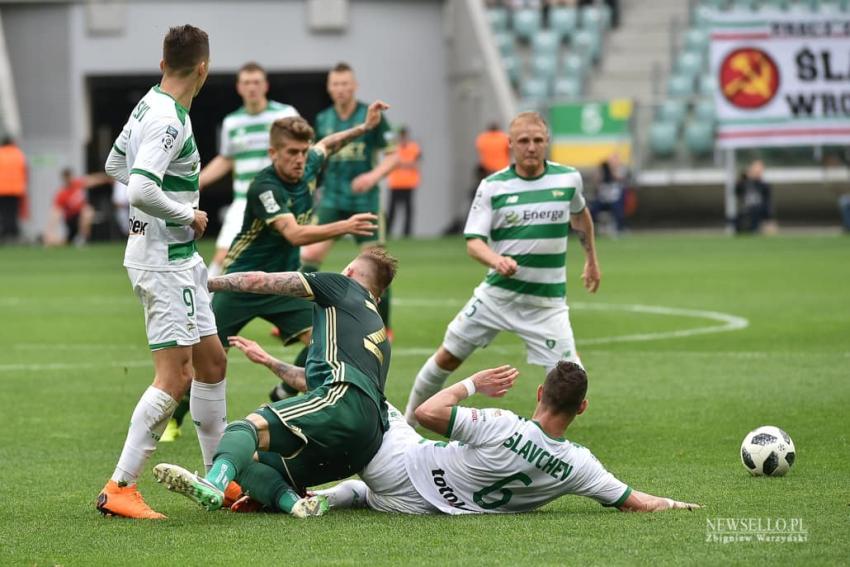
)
(259, 246)
(359, 156)
(349, 339)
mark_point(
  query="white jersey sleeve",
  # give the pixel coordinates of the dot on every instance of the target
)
(161, 141)
(480, 427)
(479, 221)
(578, 203)
(225, 147)
(592, 480)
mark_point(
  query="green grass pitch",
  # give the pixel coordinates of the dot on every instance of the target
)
(667, 412)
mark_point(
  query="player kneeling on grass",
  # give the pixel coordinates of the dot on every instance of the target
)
(496, 461)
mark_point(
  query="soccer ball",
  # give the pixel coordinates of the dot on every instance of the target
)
(767, 451)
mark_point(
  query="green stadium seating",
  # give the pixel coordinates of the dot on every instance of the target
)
(544, 67)
(743, 5)
(704, 110)
(783, 5)
(689, 64)
(535, 89)
(696, 40)
(592, 18)
(545, 43)
(498, 18)
(588, 43)
(607, 16)
(527, 22)
(699, 137)
(511, 64)
(662, 138)
(563, 21)
(568, 87)
(707, 84)
(574, 65)
(673, 111)
(680, 86)
(702, 17)
(505, 43)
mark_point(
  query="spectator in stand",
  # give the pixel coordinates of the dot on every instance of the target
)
(13, 189)
(611, 184)
(493, 151)
(403, 180)
(754, 201)
(71, 206)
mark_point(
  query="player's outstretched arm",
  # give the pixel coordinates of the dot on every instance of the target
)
(642, 502)
(581, 225)
(215, 170)
(359, 224)
(479, 251)
(333, 143)
(291, 284)
(290, 374)
(436, 412)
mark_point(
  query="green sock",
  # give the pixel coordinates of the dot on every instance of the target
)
(265, 484)
(182, 410)
(384, 307)
(287, 499)
(235, 452)
(307, 267)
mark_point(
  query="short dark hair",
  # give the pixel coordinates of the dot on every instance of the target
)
(384, 266)
(184, 47)
(342, 67)
(565, 388)
(250, 67)
(292, 127)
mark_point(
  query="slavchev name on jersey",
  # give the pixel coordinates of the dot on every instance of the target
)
(498, 462)
(158, 143)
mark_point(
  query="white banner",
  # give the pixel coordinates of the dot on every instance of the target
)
(783, 78)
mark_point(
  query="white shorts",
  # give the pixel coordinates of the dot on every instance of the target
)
(390, 489)
(176, 304)
(232, 223)
(545, 330)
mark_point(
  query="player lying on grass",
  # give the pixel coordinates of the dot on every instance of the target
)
(337, 427)
(496, 462)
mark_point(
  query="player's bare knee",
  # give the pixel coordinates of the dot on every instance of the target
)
(446, 360)
(261, 426)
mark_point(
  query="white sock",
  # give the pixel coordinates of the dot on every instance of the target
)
(428, 382)
(208, 407)
(149, 419)
(214, 269)
(347, 494)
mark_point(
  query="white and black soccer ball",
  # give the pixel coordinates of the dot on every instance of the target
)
(767, 451)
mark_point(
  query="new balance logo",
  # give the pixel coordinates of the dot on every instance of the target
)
(512, 199)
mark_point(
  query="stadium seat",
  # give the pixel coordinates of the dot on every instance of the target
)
(689, 64)
(505, 43)
(588, 43)
(544, 67)
(699, 137)
(511, 64)
(696, 41)
(527, 22)
(680, 86)
(662, 138)
(702, 17)
(498, 18)
(574, 65)
(704, 110)
(592, 19)
(568, 87)
(535, 89)
(673, 111)
(707, 84)
(545, 43)
(783, 5)
(563, 21)
(744, 5)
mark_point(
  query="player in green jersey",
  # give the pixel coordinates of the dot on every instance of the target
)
(351, 176)
(277, 222)
(336, 428)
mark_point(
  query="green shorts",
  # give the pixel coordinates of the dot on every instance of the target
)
(233, 311)
(335, 430)
(327, 215)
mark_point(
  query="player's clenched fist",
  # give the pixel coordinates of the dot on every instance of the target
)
(199, 225)
(505, 266)
(362, 224)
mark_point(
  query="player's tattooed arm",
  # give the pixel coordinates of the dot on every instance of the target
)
(336, 141)
(290, 374)
(291, 284)
(581, 225)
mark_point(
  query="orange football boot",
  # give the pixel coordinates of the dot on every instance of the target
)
(126, 502)
(231, 494)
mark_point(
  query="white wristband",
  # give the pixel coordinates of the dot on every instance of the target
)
(469, 385)
(670, 503)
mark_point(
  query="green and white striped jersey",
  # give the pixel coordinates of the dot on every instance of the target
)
(158, 143)
(528, 220)
(245, 139)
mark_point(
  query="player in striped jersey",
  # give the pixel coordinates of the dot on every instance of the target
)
(244, 150)
(518, 227)
(156, 156)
